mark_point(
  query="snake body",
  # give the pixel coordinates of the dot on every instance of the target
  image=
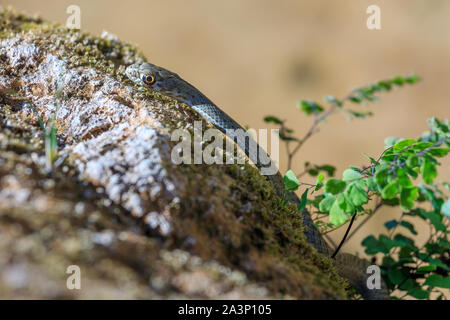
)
(159, 79)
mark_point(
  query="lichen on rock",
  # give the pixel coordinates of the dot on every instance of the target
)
(115, 204)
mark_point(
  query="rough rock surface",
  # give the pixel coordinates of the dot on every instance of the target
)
(113, 204)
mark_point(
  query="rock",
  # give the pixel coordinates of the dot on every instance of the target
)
(113, 203)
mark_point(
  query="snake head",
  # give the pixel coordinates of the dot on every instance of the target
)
(159, 79)
(147, 74)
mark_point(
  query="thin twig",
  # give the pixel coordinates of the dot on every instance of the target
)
(378, 206)
(308, 184)
(345, 236)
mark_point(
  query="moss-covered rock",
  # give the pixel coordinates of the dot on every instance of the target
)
(114, 204)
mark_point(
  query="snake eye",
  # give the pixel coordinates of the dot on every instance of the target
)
(148, 79)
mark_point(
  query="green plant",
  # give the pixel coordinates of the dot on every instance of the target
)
(403, 176)
(50, 129)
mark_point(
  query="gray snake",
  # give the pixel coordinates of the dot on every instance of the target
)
(159, 79)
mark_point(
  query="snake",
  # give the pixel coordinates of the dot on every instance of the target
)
(168, 83)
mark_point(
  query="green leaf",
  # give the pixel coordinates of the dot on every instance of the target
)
(304, 200)
(320, 177)
(435, 219)
(373, 246)
(286, 138)
(334, 186)
(372, 160)
(391, 224)
(356, 194)
(273, 119)
(332, 99)
(408, 226)
(350, 175)
(390, 191)
(359, 114)
(422, 146)
(388, 262)
(345, 203)
(438, 263)
(403, 241)
(372, 184)
(413, 172)
(396, 276)
(405, 181)
(390, 141)
(413, 161)
(445, 209)
(309, 107)
(399, 81)
(438, 126)
(326, 204)
(290, 181)
(418, 293)
(327, 168)
(428, 171)
(426, 269)
(337, 215)
(384, 85)
(408, 196)
(444, 243)
(355, 99)
(407, 285)
(412, 79)
(405, 255)
(402, 144)
(389, 243)
(436, 280)
(381, 177)
(439, 152)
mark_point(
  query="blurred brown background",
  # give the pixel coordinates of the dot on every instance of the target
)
(259, 57)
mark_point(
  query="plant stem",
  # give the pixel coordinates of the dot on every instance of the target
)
(345, 236)
(378, 206)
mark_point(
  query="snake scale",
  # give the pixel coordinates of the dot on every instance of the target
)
(159, 79)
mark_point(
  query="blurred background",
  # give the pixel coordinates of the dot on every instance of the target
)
(259, 57)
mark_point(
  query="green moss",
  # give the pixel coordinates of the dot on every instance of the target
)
(266, 241)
